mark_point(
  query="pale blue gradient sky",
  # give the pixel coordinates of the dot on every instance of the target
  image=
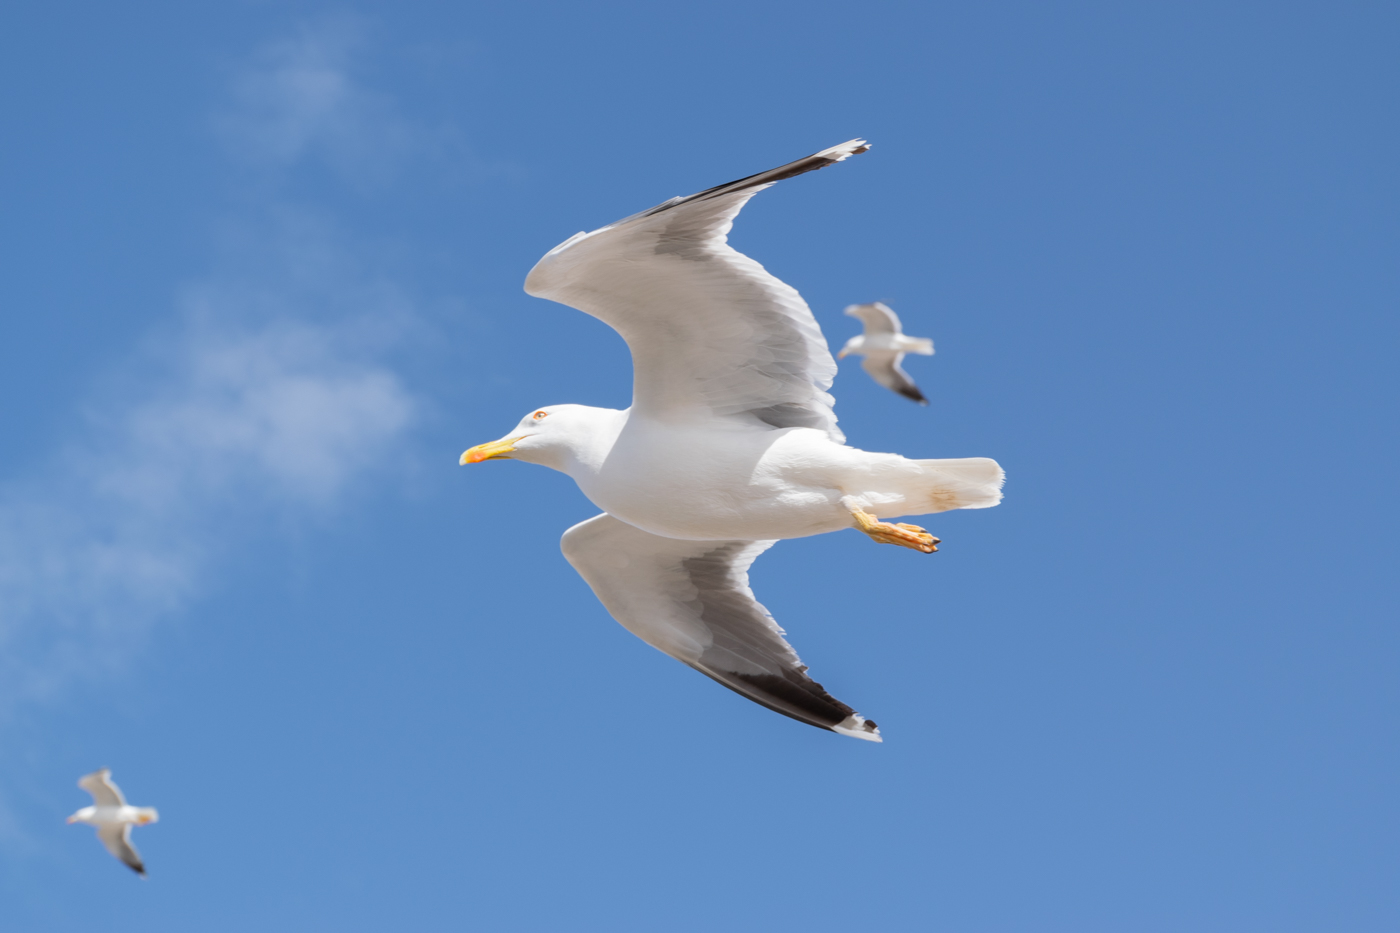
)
(261, 283)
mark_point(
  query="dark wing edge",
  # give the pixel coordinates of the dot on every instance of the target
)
(591, 266)
(811, 163)
(691, 600)
(751, 183)
(117, 840)
(887, 372)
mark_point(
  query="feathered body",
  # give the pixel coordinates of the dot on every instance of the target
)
(736, 481)
(730, 442)
(113, 818)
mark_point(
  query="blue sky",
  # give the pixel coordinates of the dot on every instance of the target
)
(261, 284)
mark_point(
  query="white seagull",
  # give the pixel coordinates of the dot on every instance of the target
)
(883, 345)
(113, 817)
(730, 444)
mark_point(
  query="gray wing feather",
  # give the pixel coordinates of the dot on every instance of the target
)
(884, 368)
(691, 600)
(117, 838)
(104, 792)
(712, 333)
(878, 317)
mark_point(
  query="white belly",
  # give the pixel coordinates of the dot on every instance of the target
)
(725, 485)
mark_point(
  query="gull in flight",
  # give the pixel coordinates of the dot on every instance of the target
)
(113, 817)
(883, 345)
(730, 444)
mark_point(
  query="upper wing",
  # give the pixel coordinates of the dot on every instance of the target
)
(104, 792)
(877, 317)
(712, 333)
(691, 599)
(884, 368)
(117, 838)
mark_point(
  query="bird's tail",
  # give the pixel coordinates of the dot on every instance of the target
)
(969, 483)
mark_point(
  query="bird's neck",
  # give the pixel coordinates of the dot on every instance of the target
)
(587, 451)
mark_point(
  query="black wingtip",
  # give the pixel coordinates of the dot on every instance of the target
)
(811, 163)
(794, 695)
(912, 393)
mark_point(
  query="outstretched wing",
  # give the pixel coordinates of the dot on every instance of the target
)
(117, 838)
(104, 792)
(878, 317)
(712, 333)
(691, 599)
(884, 368)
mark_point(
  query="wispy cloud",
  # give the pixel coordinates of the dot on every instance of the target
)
(271, 390)
(277, 411)
(300, 100)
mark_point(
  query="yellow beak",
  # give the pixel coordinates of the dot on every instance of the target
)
(72, 819)
(842, 354)
(496, 450)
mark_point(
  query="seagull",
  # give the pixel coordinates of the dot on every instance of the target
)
(883, 345)
(113, 817)
(730, 444)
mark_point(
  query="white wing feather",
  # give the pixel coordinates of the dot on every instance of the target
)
(104, 792)
(691, 600)
(878, 317)
(117, 839)
(712, 333)
(885, 368)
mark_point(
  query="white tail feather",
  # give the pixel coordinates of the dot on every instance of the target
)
(969, 483)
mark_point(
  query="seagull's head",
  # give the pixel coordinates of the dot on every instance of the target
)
(557, 436)
(146, 815)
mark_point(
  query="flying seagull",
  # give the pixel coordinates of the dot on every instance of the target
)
(883, 345)
(113, 817)
(730, 444)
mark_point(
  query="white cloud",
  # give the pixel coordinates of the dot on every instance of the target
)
(296, 406)
(301, 101)
(241, 416)
(272, 393)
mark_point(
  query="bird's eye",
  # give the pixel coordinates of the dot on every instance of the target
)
(540, 414)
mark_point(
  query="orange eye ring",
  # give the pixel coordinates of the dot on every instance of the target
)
(539, 415)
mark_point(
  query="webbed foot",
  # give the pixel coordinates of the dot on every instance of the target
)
(910, 536)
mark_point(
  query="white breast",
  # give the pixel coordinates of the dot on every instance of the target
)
(720, 485)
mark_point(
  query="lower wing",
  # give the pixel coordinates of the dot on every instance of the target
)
(691, 599)
(117, 838)
(885, 369)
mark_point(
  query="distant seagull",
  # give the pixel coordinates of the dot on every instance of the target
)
(113, 817)
(883, 345)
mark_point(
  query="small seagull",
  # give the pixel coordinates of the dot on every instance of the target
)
(113, 817)
(883, 345)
